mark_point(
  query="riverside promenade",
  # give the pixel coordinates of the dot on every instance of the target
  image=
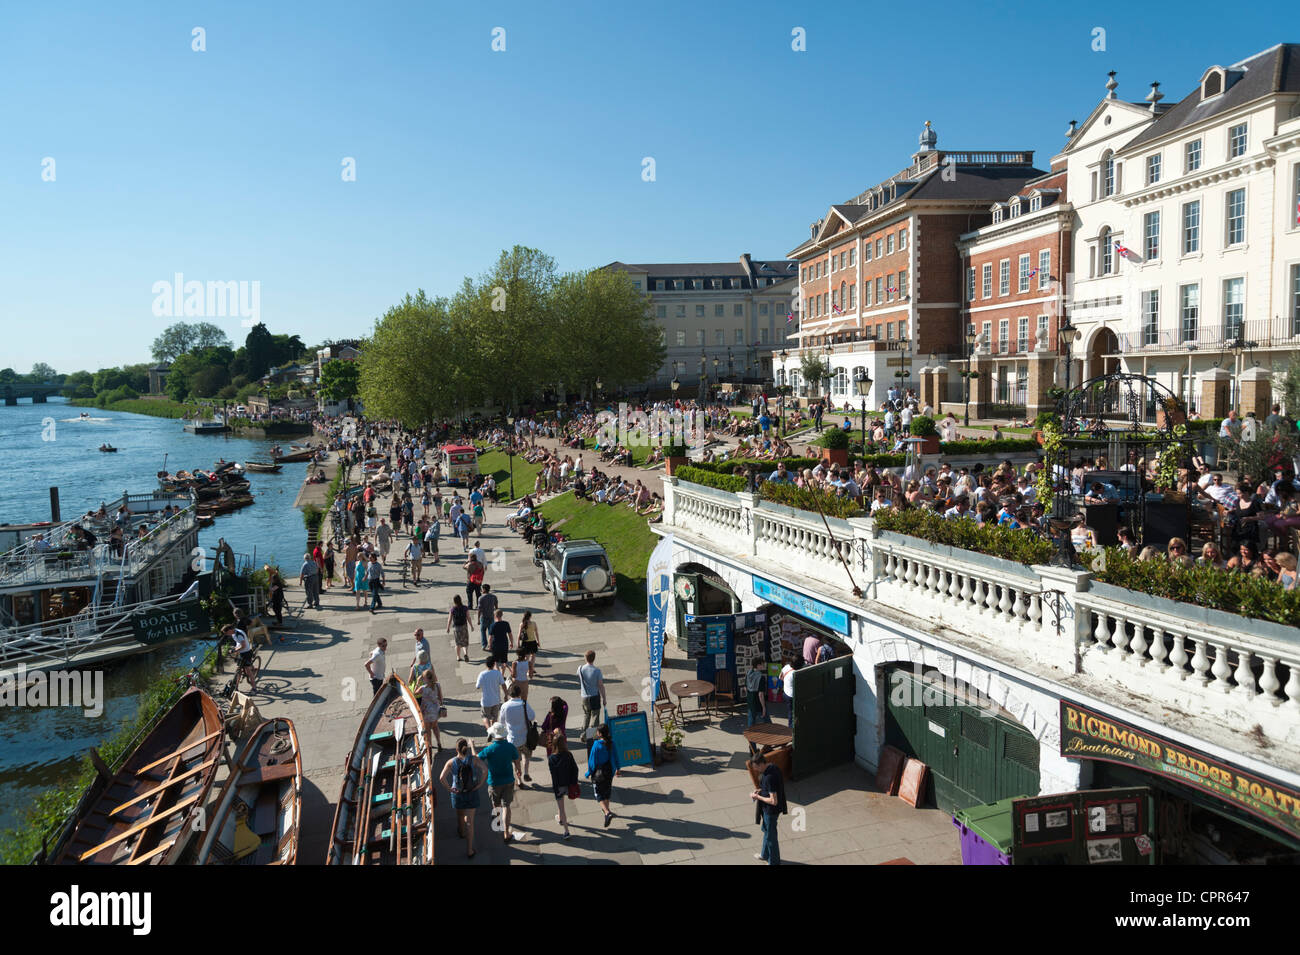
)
(694, 810)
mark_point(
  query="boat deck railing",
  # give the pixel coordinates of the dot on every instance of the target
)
(30, 564)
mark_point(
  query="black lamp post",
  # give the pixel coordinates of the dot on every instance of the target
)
(599, 387)
(704, 374)
(675, 384)
(510, 422)
(971, 339)
(1067, 334)
(862, 382)
(780, 390)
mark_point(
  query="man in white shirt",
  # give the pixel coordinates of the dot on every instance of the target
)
(476, 553)
(517, 715)
(591, 684)
(959, 509)
(787, 687)
(905, 418)
(377, 665)
(490, 684)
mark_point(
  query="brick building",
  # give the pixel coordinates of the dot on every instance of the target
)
(1014, 293)
(880, 275)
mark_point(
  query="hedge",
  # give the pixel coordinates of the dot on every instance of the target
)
(807, 499)
(992, 539)
(1227, 590)
(723, 482)
(979, 447)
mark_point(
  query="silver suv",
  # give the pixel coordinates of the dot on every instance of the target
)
(578, 572)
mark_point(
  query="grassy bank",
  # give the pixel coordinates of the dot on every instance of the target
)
(624, 534)
(157, 408)
(497, 464)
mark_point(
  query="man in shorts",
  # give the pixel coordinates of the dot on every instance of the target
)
(501, 640)
(416, 554)
(431, 538)
(490, 684)
(500, 756)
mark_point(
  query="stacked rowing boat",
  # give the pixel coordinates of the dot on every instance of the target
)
(385, 812)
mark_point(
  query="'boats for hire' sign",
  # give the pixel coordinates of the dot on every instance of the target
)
(186, 619)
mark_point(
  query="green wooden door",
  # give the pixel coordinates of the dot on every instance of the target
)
(824, 724)
(974, 756)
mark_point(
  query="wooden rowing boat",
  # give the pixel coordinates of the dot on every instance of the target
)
(143, 813)
(293, 457)
(261, 466)
(258, 814)
(385, 811)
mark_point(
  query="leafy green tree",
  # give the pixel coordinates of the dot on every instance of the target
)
(409, 369)
(603, 328)
(106, 379)
(77, 383)
(42, 372)
(182, 337)
(8, 376)
(259, 351)
(209, 380)
(339, 380)
(814, 370)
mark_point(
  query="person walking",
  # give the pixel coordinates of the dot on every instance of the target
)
(464, 775)
(787, 687)
(310, 575)
(431, 535)
(429, 693)
(473, 581)
(500, 642)
(602, 767)
(769, 806)
(415, 554)
(553, 725)
(755, 681)
(350, 564)
(517, 717)
(330, 557)
(564, 778)
(361, 582)
(384, 536)
(528, 639)
(458, 627)
(520, 671)
(487, 608)
(490, 684)
(500, 757)
(377, 665)
(376, 575)
(592, 684)
(276, 587)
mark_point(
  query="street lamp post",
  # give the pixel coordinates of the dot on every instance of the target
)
(781, 386)
(970, 360)
(862, 382)
(510, 422)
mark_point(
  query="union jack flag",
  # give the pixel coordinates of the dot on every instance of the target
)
(1032, 273)
(1122, 250)
(837, 310)
(789, 317)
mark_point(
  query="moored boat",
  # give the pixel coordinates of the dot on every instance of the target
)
(144, 812)
(293, 457)
(385, 811)
(258, 814)
(262, 467)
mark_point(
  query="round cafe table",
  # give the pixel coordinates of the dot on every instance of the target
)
(686, 689)
(769, 734)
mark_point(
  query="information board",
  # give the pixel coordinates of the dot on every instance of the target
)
(631, 735)
(696, 638)
(161, 624)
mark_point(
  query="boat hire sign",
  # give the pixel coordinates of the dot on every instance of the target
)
(801, 604)
(1089, 735)
(161, 624)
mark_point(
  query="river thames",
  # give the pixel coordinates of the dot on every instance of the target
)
(46, 446)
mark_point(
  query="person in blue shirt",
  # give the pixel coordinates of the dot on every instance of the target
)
(780, 475)
(499, 756)
(602, 767)
(764, 422)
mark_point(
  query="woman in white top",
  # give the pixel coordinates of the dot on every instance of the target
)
(521, 671)
(430, 696)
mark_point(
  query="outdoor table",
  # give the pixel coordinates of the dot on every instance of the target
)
(699, 689)
(769, 734)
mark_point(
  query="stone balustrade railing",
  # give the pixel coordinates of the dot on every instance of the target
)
(1205, 663)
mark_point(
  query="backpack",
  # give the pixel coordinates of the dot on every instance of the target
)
(464, 775)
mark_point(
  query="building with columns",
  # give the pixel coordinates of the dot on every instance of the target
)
(718, 319)
(1187, 238)
(880, 279)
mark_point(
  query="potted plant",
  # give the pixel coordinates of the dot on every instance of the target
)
(672, 741)
(1041, 422)
(923, 426)
(835, 446)
(674, 457)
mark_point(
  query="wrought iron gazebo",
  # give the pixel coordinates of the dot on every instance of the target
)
(1102, 424)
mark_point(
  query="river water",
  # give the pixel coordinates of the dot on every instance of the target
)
(48, 446)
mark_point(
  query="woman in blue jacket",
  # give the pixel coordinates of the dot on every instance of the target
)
(602, 767)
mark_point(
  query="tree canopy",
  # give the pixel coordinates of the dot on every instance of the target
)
(181, 337)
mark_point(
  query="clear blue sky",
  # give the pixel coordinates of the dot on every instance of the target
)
(225, 164)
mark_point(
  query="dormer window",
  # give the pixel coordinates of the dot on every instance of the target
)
(1212, 83)
(1035, 203)
(997, 215)
(1015, 208)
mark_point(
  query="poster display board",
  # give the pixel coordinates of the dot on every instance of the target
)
(631, 734)
(1090, 827)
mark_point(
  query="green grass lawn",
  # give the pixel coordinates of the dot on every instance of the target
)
(1027, 432)
(623, 533)
(640, 452)
(497, 464)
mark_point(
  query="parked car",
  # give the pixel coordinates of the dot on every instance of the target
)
(578, 572)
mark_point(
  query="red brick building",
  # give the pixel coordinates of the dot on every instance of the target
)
(1014, 293)
(881, 274)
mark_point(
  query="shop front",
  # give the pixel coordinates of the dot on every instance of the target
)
(1205, 810)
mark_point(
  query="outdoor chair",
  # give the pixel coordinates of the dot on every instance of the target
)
(724, 689)
(664, 707)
